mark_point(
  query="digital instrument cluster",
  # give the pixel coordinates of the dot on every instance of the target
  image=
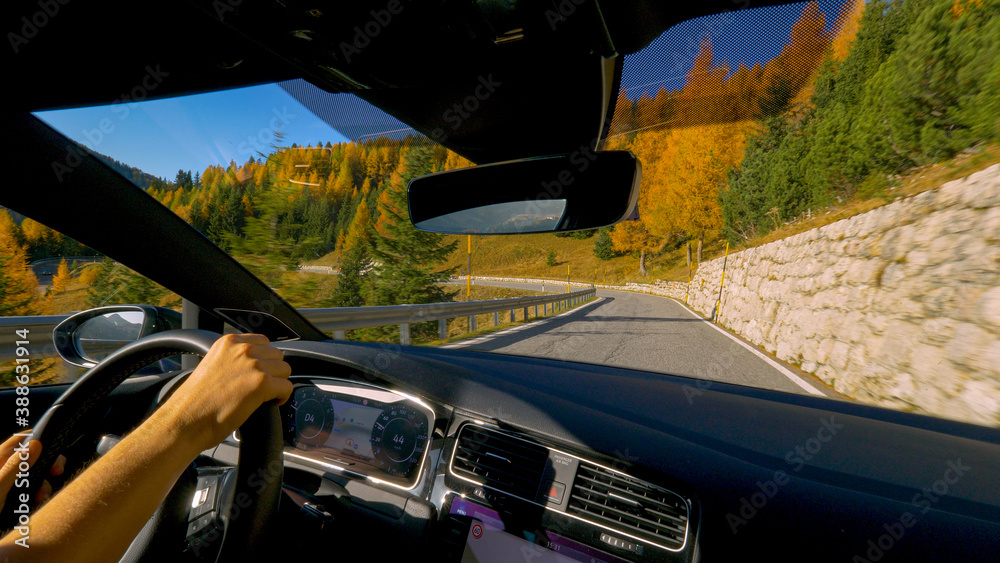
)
(358, 429)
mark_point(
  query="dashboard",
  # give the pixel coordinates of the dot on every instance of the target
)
(505, 458)
(484, 493)
(543, 460)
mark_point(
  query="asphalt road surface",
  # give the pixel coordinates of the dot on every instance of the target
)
(644, 332)
(46, 268)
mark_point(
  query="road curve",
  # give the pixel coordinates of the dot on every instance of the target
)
(645, 332)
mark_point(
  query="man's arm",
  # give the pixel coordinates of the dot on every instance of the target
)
(96, 516)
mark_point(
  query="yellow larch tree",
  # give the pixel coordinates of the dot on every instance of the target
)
(17, 282)
(62, 277)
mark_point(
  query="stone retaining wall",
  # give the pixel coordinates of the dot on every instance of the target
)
(899, 306)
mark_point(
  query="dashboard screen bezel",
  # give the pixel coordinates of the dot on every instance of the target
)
(375, 393)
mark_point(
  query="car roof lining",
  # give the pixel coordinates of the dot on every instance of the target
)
(415, 69)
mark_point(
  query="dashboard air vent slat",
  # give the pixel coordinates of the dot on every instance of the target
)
(635, 507)
(498, 461)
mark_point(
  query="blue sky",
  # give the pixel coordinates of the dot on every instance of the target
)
(750, 36)
(194, 132)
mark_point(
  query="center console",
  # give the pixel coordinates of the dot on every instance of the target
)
(511, 498)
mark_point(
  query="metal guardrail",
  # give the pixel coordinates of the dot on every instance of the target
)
(39, 336)
(334, 320)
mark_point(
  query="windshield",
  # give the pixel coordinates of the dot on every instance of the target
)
(818, 213)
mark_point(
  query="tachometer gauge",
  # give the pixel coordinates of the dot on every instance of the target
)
(310, 418)
(399, 438)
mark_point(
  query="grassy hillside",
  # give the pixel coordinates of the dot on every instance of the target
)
(527, 256)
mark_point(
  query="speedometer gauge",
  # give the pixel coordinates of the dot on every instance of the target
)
(399, 438)
(311, 417)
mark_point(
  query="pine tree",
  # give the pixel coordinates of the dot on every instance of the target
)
(355, 260)
(932, 87)
(408, 261)
(354, 264)
(603, 247)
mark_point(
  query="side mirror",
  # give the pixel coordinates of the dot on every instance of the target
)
(535, 195)
(86, 338)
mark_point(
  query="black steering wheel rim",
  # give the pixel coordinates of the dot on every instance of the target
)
(260, 466)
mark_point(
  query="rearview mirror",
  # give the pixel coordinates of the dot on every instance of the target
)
(536, 195)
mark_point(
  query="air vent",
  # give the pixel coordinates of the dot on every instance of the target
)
(634, 507)
(499, 461)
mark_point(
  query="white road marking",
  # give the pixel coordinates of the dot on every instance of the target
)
(784, 371)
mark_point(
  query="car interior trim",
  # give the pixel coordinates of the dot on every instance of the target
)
(687, 502)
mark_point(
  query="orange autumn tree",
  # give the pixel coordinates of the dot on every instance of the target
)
(632, 237)
(847, 29)
(682, 199)
(685, 166)
(360, 230)
(17, 282)
(795, 67)
(689, 140)
(61, 279)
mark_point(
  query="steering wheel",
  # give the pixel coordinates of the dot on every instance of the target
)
(260, 446)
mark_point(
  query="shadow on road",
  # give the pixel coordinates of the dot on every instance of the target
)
(587, 313)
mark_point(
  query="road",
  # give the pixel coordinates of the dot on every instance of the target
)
(50, 265)
(644, 332)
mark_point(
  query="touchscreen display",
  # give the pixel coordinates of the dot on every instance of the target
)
(489, 542)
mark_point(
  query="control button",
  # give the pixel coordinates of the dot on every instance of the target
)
(199, 497)
(200, 524)
(555, 492)
(205, 493)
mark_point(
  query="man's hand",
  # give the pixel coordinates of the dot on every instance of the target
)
(240, 373)
(9, 451)
(96, 515)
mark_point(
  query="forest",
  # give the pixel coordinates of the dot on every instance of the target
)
(837, 115)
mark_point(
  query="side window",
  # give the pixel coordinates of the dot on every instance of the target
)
(44, 277)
